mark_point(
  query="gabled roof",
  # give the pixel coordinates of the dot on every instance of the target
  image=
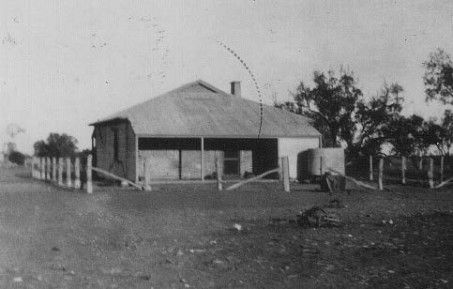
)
(199, 109)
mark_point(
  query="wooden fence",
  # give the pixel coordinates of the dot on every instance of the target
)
(430, 171)
(64, 172)
(283, 171)
(69, 173)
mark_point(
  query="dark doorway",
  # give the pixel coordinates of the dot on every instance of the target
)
(231, 162)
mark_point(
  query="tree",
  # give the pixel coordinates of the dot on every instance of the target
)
(56, 146)
(405, 134)
(438, 77)
(340, 113)
(372, 118)
(17, 158)
(330, 104)
(12, 130)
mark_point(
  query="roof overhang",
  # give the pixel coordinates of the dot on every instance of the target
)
(113, 120)
(229, 136)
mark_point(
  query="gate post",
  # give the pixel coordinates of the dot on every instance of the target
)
(403, 170)
(381, 174)
(431, 173)
(147, 172)
(285, 170)
(89, 174)
(219, 175)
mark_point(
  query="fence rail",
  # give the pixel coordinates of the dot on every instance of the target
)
(430, 171)
(69, 173)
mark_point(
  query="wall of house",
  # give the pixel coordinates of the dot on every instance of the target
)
(292, 147)
(124, 165)
(170, 158)
(164, 164)
(210, 157)
(177, 158)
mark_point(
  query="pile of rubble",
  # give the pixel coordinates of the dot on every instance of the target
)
(321, 216)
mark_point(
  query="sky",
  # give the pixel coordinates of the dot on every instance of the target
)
(67, 63)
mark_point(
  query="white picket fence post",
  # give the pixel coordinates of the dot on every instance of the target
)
(60, 171)
(77, 183)
(54, 169)
(89, 174)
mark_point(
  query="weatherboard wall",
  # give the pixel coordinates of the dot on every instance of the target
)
(123, 163)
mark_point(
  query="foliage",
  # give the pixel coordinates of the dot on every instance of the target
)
(330, 104)
(373, 117)
(12, 130)
(17, 158)
(363, 125)
(438, 77)
(405, 134)
(439, 135)
(341, 114)
(10, 147)
(56, 145)
(83, 155)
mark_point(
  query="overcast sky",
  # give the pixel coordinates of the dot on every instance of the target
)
(65, 64)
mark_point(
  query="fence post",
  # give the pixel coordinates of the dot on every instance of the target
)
(33, 162)
(285, 170)
(147, 172)
(381, 174)
(441, 169)
(48, 168)
(403, 170)
(431, 173)
(36, 167)
(68, 173)
(32, 167)
(219, 175)
(54, 169)
(371, 167)
(60, 171)
(89, 174)
(77, 173)
(42, 166)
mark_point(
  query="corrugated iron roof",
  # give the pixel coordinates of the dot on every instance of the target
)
(199, 109)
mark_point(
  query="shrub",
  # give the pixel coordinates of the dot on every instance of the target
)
(17, 158)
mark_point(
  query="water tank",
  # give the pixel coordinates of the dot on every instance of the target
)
(316, 162)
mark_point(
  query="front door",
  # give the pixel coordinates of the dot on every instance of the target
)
(231, 163)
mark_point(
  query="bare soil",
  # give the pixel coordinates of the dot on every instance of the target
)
(191, 236)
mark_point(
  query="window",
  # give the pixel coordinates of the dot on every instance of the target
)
(115, 145)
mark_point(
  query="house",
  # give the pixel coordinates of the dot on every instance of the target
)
(184, 131)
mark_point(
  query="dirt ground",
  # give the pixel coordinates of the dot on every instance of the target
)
(195, 237)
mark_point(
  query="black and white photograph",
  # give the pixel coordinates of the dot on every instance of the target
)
(226, 144)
